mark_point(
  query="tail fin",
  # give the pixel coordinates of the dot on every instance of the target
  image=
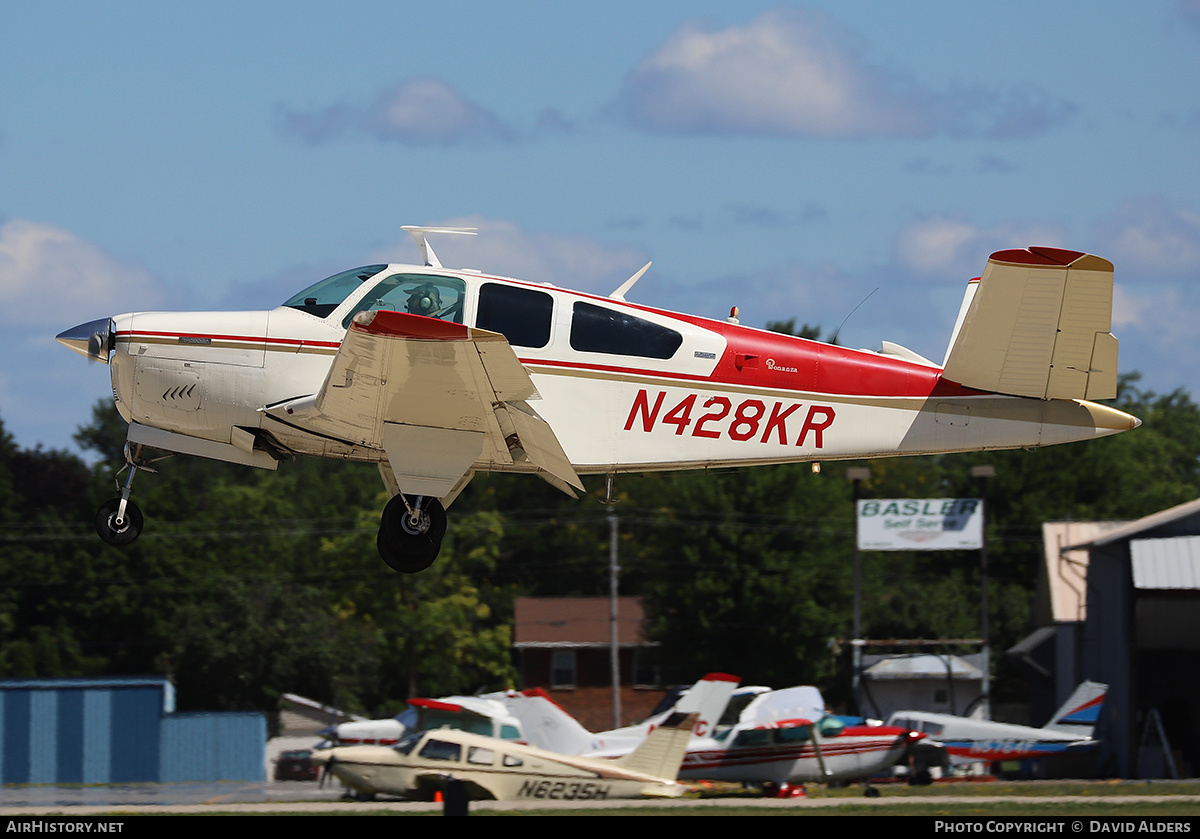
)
(708, 698)
(661, 753)
(1037, 323)
(546, 725)
(1079, 713)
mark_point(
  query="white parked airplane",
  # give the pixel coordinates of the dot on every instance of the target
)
(968, 740)
(782, 738)
(435, 373)
(424, 763)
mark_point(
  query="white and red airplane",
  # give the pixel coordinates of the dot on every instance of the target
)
(969, 740)
(785, 738)
(782, 738)
(434, 374)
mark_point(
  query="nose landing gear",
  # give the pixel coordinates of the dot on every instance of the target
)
(119, 520)
(410, 533)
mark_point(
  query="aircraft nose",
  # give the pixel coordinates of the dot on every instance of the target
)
(93, 339)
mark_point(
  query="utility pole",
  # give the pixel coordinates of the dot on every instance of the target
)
(614, 652)
(855, 475)
(981, 474)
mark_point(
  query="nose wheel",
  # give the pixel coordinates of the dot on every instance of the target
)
(119, 521)
(410, 533)
(116, 526)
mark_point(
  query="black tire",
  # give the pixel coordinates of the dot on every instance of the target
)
(121, 534)
(407, 548)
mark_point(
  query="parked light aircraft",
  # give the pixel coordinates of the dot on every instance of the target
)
(781, 738)
(423, 763)
(434, 374)
(785, 737)
(969, 740)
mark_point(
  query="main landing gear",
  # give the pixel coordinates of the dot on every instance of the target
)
(410, 532)
(119, 521)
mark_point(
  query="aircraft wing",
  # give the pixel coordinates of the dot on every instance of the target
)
(438, 395)
(1038, 323)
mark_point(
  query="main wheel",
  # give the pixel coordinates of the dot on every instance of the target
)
(116, 531)
(409, 545)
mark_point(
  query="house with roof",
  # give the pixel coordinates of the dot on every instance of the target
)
(566, 645)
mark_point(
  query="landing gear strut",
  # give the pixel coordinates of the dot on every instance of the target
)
(410, 533)
(119, 521)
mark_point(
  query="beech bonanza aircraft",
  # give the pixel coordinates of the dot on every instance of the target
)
(422, 764)
(434, 374)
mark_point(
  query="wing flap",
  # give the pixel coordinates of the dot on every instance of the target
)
(437, 396)
(1039, 324)
(536, 439)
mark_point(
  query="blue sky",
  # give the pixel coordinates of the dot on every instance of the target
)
(797, 160)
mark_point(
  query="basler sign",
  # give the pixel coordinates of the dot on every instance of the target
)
(920, 524)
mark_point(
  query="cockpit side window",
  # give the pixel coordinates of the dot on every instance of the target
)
(441, 750)
(522, 315)
(417, 294)
(599, 329)
(322, 298)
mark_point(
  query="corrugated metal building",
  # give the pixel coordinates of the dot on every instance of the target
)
(1141, 636)
(120, 730)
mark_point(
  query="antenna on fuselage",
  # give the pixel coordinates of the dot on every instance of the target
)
(619, 294)
(427, 254)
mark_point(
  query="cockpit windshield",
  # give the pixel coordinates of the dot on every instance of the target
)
(322, 298)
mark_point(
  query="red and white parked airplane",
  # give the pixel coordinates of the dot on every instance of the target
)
(781, 738)
(434, 374)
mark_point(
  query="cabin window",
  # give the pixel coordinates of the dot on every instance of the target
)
(798, 734)
(322, 298)
(522, 315)
(510, 760)
(416, 294)
(603, 330)
(753, 737)
(481, 756)
(510, 732)
(441, 750)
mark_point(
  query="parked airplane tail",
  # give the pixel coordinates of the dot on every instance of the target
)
(661, 753)
(708, 698)
(546, 725)
(1079, 713)
(1037, 323)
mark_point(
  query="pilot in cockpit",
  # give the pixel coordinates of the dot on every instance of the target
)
(424, 299)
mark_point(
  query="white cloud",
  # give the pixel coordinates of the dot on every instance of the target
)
(952, 248)
(1147, 238)
(417, 112)
(429, 112)
(51, 276)
(795, 74)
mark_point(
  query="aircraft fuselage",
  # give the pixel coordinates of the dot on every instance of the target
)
(624, 387)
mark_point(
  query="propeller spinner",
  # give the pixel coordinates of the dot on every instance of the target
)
(94, 339)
